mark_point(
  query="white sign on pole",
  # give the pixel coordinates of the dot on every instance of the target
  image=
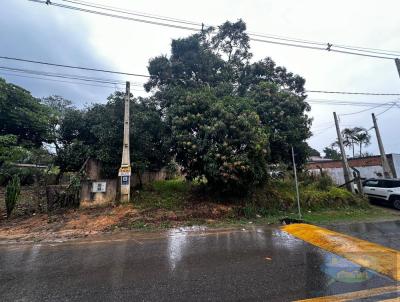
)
(99, 187)
(124, 171)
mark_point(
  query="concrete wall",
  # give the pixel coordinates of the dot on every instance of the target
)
(90, 199)
(396, 164)
(337, 173)
(148, 177)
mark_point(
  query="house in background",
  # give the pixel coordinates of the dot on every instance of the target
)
(369, 167)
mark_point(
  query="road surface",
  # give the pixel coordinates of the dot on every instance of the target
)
(194, 264)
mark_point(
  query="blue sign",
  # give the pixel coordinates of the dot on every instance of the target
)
(125, 180)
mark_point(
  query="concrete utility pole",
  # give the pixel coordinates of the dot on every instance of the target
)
(125, 170)
(397, 61)
(297, 184)
(385, 164)
(346, 168)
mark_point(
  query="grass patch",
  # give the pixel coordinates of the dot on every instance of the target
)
(348, 215)
(178, 202)
(166, 194)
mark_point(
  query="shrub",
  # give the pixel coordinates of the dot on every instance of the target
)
(220, 139)
(172, 170)
(324, 183)
(13, 190)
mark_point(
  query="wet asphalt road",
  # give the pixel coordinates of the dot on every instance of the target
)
(383, 233)
(256, 264)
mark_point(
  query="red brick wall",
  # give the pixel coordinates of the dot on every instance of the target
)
(356, 162)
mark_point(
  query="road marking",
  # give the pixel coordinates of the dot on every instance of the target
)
(356, 295)
(367, 254)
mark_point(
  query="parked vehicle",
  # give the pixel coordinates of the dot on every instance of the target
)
(383, 190)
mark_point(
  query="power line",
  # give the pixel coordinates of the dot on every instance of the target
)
(58, 75)
(263, 35)
(394, 104)
(68, 76)
(348, 103)
(146, 76)
(353, 93)
(116, 16)
(269, 36)
(53, 80)
(68, 82)
(73, 67)
(133, 13)
(352, 113)
(328, 48)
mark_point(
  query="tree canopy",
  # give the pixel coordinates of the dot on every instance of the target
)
(98, 131)
(222, 116)
(23, 116)
(209, 86)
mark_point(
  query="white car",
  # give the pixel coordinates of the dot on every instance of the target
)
(385, 190)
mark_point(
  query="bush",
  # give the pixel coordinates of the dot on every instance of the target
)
(172, 170)
(220, 139)
(281, 196)
(13, 190)
(324, 182)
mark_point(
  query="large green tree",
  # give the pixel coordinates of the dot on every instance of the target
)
(24, 116)
(98, 132)
(219, 60)
(221, 139)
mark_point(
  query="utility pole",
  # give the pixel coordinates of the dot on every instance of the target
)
(385, 164)
(397, 61)
(346, 168)
(297, 184)
(125, 170)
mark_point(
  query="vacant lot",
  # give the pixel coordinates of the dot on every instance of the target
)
(174, 203)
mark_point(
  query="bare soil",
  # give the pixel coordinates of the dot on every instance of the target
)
(78, 223)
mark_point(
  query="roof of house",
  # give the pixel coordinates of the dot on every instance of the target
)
(374, 160)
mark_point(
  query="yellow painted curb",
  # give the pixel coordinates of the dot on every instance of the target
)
(356, 295)
(367, 254)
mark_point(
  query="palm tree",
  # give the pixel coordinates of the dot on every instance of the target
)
(348, 138)
(356, 136)
(362, 137)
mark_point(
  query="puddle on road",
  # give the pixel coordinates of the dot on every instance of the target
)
(323, 272)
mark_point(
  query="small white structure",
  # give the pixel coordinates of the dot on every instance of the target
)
(99, 187)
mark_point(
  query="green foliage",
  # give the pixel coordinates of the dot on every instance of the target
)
(219, 139)
(172, 169)
(275, 197)
(332, 198)
(313, 152)
(98, 132)
(9, 150)
(324, 182)
(284, 113)
(13, 191)
(332, 153)
(168, 194)
(24, 116)
(224, 112)
(356, 136)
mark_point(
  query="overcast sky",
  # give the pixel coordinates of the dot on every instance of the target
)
(40, 32)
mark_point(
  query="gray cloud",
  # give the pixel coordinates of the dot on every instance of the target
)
(32, 31)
